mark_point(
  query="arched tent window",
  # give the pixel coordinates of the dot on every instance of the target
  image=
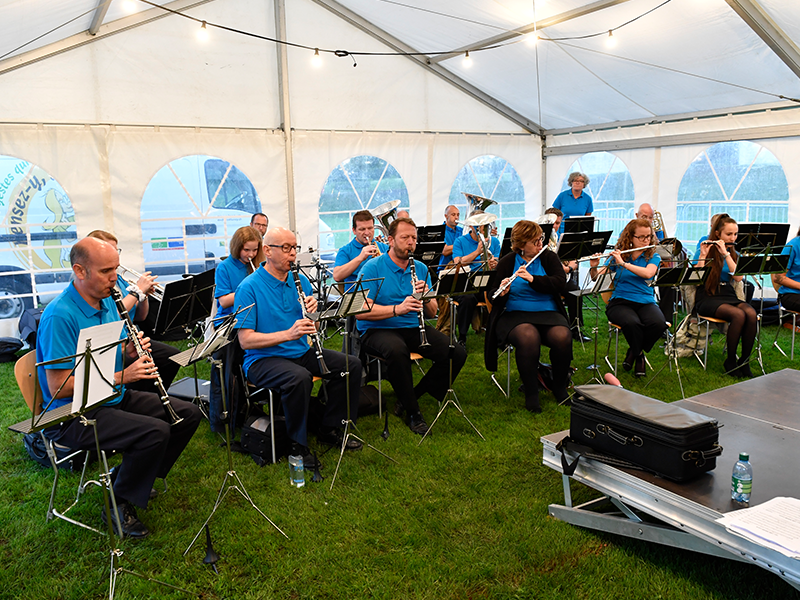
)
(37, 233)
(190, 209)
(495, 178)
(611, 189)
(358, 183)
(743, 179)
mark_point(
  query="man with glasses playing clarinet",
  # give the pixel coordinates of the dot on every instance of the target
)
(395, 326)
(274, 335)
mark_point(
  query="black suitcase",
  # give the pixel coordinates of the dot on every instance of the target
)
(665, 439)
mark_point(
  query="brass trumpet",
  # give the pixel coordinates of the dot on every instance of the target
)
(132, 277)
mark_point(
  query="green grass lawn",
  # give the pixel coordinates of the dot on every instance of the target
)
(457, 517)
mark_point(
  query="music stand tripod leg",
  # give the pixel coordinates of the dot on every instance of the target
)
(230, 473)
(450, 397)
(348, 423)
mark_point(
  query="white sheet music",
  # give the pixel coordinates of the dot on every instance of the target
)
(774, 524)
(105, 363)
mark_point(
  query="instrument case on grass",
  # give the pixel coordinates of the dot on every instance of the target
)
(631, 430)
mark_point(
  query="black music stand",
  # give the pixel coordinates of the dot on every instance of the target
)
(754, 237)
(456, 282)
(352, 302)
(430, 245)
(603, 284)
(581, 224)
(225, 334)
(682, 274)
(47, 418)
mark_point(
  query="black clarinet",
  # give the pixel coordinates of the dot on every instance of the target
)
(423, 338)
(323, 368)
(133, 334)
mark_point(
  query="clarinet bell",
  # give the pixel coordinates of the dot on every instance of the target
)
(385, 433)
(211, 556)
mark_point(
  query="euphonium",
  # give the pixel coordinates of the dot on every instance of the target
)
(658, 223)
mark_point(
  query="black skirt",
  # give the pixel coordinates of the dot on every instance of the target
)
(707, 305)
(509, 320)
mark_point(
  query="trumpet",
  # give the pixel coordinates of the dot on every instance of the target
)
(132, 277)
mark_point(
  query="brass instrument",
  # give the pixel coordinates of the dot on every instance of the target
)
(132, 278)
(658, 223)
(315, 339)
(133, 334)
(423, 337)
(511, 279)
(385, 214)
(478, 220)
(476, 204)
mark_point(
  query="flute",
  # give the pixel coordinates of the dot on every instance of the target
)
(252, 266)
(508, 283)
(423, 337)
(133, 333)
(323, 368)
(605, 254)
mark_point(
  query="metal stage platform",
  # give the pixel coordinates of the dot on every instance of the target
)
(760, 416)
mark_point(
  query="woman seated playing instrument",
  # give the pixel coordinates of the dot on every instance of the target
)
(717, 297)
(530, 312)
(788, 284)
(633, 303)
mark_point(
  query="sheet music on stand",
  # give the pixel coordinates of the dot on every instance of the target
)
(459, 281)
(572, 246)
(353, 301)
(684, 274)
(222, 335)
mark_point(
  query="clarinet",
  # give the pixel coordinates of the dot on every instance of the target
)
(423, 338)
(133, 334)
(323, 368)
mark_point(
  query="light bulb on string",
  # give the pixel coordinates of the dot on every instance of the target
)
(202, 33)
(316, 60)
(467, 60)
(129, 6)
(611, 41)
(532, 39)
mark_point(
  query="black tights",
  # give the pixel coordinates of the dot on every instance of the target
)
(742, 324)
(527, 340)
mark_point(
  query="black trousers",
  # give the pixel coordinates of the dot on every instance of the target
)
(140, 429)
(464, 312)
(395, 346)
(642, 324)
(293, 377)
(574, 304)
(790, 301)
(167, 368)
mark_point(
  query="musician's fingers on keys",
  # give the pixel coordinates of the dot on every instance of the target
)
(504, 285)
(311, 304)
(143, 368)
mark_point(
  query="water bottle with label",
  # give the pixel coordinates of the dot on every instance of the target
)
(742, 479)
(297, 476)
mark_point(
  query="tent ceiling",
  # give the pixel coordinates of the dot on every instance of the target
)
(687, 56)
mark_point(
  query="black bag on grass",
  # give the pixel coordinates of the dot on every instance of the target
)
(256, 438)
(35, 447)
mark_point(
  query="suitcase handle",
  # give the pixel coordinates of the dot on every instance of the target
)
(700, 456)
(619, 438)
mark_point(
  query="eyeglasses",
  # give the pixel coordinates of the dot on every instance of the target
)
(287, 248)
(642, 238)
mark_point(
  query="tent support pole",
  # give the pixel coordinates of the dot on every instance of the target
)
(286, 115)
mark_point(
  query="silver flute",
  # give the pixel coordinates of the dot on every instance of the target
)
(315, 339)
(423, 337)
(133, 334)
(508, 283)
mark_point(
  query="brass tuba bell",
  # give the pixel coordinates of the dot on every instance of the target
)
(385, 214)
(477, 203)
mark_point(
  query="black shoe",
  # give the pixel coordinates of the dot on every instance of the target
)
(417, 424)
(743, 369)
(333, 437)
(132, 527)
(639, 368)
(463, 342)
(310, 461)
(532, 405)
(627, 364)
(398, 409)
(561, 394)
(115, 471)
(731, 366)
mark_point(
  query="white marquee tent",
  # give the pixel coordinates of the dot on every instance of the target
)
(102, 95)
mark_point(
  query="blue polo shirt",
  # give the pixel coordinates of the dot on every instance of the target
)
(572, 206)
(466, 245)
(349, 252)
(227, 277)
(450, 237)
(122, 285)
(629, 286)
(792, 248)
(277, 307)
(396, 287)
(57, 336)
(522, 297)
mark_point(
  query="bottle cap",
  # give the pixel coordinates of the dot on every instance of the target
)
(744, 456)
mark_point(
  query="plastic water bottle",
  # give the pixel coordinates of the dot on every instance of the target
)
(297, 475)
(742, 479)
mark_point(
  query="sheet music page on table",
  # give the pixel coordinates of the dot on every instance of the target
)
(105, 363)
(774, 524)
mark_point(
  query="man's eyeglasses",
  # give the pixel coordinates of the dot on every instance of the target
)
(642, 238)
(287, 248)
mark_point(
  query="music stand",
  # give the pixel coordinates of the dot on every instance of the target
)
(238, 486)
(683, 273)
(352, 302)
(579, 224)
(604, 283)
(456, 282)
(430, 245)
(759, 236)
(92, 379)
(184, 303)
